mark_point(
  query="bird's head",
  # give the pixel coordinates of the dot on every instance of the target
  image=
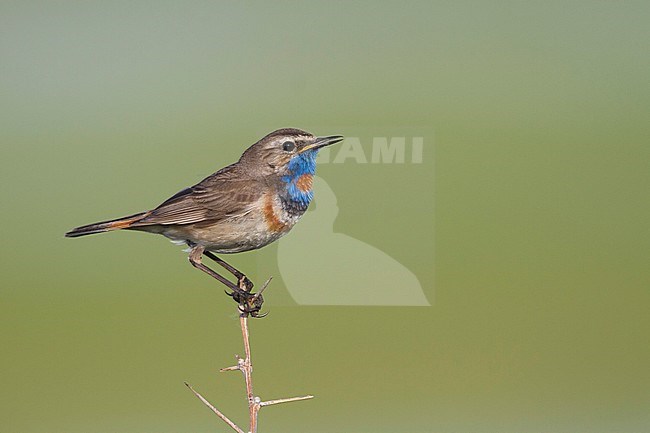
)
(286, 152)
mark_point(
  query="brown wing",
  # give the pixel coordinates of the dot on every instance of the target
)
(219, 196)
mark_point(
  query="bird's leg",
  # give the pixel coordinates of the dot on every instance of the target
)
(248, 302)
(195, 260)
(242, 279)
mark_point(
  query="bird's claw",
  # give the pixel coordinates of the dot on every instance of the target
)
(249, 303)
(253, 311)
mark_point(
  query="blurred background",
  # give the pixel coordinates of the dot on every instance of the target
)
(526, 223)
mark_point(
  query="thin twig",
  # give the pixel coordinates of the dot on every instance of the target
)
(285, 400)
(264, 286)
(247, 368)
(215, 410)
(233, 367)
(245, 365)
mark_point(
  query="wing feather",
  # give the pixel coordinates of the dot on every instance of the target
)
(222, 195)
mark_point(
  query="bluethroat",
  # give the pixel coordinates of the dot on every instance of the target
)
(241, 207)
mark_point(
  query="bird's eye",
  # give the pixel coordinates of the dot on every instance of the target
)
(288, 146)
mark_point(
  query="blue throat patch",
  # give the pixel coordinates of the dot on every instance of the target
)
(301, 164)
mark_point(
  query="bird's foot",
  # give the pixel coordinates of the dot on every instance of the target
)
(249, 303)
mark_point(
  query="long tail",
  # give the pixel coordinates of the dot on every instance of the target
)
(106, 226)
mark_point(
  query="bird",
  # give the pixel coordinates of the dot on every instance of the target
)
(242, 207)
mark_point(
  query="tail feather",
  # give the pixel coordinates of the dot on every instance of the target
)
(106, 226)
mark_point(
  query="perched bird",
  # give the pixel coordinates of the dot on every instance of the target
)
(241, 207)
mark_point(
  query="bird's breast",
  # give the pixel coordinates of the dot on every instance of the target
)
(281, 212)
(273, 214)
(304, 182)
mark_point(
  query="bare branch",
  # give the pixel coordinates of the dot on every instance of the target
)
(245, 365)
(215, 410)
(264, 286)
(285, 400)
(240, 361)
(231, 368)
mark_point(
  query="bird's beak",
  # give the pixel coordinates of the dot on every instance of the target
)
(322, 142)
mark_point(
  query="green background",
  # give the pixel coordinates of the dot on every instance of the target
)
(527, 223)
